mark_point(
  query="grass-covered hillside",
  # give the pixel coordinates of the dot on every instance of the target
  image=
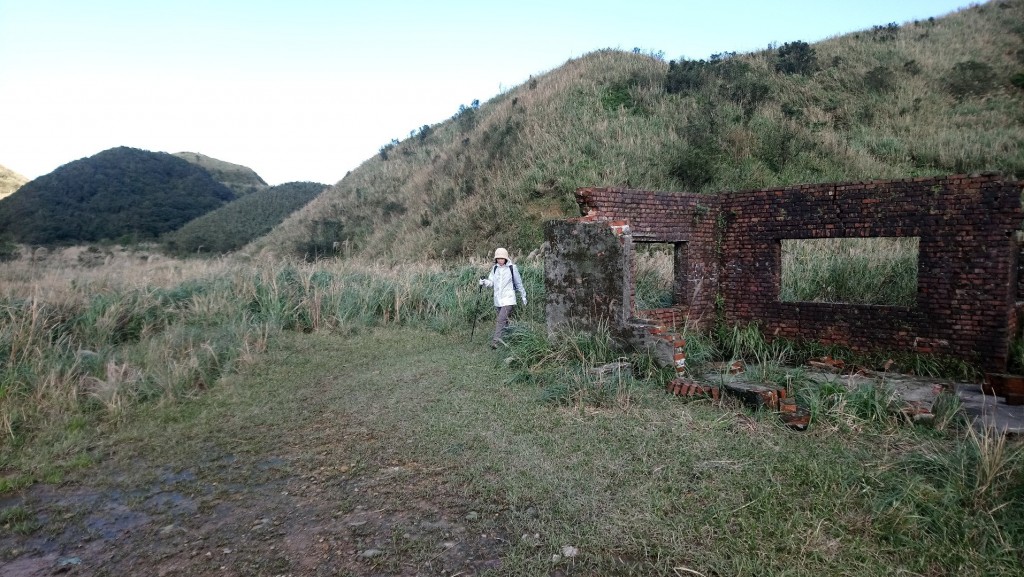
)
(119, 194)
(10, 181)
(241, 179)
(239, 222)
(938, 96)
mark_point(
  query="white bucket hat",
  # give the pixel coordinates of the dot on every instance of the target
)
(501, 253)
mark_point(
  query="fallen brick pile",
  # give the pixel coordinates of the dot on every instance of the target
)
(773, 398)
(915, 399)
(753, 395)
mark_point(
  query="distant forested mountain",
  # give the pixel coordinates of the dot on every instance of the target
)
(235, 224)
(241, 179)
(119, 194)
(10, 181)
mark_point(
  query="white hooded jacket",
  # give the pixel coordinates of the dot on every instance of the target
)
(506, 281)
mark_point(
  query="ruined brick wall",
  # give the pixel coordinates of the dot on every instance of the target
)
(667, 217)
(967, 262)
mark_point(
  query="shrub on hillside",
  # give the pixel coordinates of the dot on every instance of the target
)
(324, 239)
(970, 78)
(686, 75)
(880, 79)
(466, 116)
(658, 55)
(9, 251)
(778, 145)
(498, 139)
(796, 58)
(750, 95)
(92, 257)
(695, 166)
(733, 78)
(885, 33)
(620, 95)
(387, 148)
(697, 160)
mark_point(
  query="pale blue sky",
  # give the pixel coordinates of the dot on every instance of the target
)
(307, 90)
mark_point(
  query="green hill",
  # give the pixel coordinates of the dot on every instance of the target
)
(121, 193)
(10, 181)
(932, 97)
(237, 223)
(241, 179)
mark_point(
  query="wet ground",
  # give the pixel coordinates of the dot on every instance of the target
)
(280, 519)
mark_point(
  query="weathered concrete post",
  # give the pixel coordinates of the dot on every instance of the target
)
(588, 277)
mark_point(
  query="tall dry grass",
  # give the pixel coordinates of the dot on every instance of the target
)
(89, 343)
(875, 271)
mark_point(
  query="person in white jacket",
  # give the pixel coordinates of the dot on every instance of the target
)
(506, 281)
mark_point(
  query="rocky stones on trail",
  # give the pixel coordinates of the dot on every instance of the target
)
(440, 525)
(531, 540)
(65, 563)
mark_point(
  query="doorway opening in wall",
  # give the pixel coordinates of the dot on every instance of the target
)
(866, 271)
(659, 276)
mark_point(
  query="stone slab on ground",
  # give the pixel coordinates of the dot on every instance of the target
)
(916, 394)
(990, 411)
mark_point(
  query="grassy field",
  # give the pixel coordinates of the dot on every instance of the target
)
(254, 416)
(335, 419)
(89, 333)
(319, 431)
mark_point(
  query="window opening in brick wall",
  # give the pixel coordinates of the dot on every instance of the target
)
(659, 274)
(872, 271)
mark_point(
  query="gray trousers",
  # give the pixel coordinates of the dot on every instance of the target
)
(502, 323)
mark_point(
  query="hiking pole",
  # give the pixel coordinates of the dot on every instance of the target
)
(476, 311)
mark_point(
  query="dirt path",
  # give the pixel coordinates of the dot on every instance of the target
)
(289, 482)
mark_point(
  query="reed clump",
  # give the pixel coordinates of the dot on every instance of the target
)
(89, 344)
